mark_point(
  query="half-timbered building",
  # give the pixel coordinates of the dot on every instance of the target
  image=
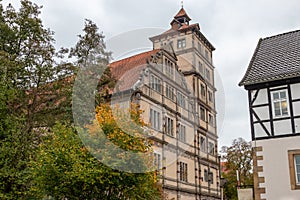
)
(273, 84)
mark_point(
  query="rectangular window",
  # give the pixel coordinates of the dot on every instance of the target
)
(206, 55)
(211, 177)
(207, 74)
(201, 68)
(157, 161)
(181, 99)
(169, 126)
(294, 166)
(211, 119)
(182, 133)
(203, 144)
(205, 175)
(155, 119)
(170, 92)
(210, 96)
(199, 47)
(280, 105)
(211, 148)
(202, 113)
(181, 43)
(155, 83)
(169, 68)
(183, 171)
(297, 168)
(203, 92)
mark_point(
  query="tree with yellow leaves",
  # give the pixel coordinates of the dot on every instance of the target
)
(65, 168)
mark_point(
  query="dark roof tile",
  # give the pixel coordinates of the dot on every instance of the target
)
(275, 58)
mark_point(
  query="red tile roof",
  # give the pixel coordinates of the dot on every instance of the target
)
(127, 71)
(182, 13)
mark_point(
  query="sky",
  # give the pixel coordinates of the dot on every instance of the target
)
(232, 26)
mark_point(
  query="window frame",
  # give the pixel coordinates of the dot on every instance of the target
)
(155, 83)
(182, 133)
(295, 184)
(169, 126)
(183, 171)
(157, 161)
(170, 92)
(280, 101)
(181, 43)
(155, 115)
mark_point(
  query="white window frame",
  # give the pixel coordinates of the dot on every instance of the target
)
(170, 92)
(157, 162)
(280, 100)
(155, 83)
(155, 119)
(169, 126)
(181, 43)
(181, 99)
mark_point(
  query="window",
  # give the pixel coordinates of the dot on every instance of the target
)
(210, 96)
(202, 90)
(211, 177)
(157, 161)
(181, 44)
(169, 126)
(155, 83)
(181, 133)
(155, 119)
(183, 171)
(206, 55)
(203, 144)
(211, 119)
(170, 92)
(205, 175)
(280, 103)
(211, 148)
(294, 166)
(201, 68)
(207, 74)
(202, 113)
(181, 99)
(169, 68)
(199, 47)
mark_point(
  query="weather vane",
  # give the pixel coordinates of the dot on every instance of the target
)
(182, 4)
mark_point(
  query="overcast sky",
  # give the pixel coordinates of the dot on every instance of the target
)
(232, 26)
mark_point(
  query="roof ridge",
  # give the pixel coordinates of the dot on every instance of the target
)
(134, 56)
(281, 34)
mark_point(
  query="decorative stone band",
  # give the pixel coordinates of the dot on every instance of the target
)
(256, 169)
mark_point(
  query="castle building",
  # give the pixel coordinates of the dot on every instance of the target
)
(273, 84)
(174, 85)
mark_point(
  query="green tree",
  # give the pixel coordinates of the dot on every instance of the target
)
(27, 68)
(64, 168)
(238, 159)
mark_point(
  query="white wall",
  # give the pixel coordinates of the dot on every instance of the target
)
(276, 168)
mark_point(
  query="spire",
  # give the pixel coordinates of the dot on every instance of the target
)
(182, 17)
(182, 4)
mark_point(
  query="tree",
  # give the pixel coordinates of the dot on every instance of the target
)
(64, 168)
(238, 159)
(27, 68)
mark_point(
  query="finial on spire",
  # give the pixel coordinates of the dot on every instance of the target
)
(182, 4)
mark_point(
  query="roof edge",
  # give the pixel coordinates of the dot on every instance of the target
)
(281, 34)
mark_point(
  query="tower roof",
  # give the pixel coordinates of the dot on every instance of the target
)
(182, 14)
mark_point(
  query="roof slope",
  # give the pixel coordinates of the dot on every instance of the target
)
(275, 58)
(127, 71)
